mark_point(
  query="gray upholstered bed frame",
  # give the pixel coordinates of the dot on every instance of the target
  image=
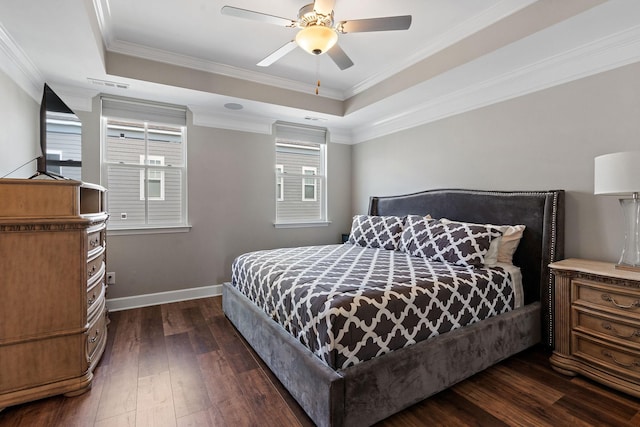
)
(371, 391)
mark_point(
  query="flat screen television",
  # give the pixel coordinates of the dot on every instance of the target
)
(60, 139)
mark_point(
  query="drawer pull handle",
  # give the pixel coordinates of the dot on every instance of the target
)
(92, 299)
(608, 354)
(92, 271)
(613, 330)
(95, 337)
(610, 299)
(94, 243)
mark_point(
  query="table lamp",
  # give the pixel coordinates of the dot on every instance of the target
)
(618, 174)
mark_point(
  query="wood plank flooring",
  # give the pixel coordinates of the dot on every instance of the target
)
(183, 364)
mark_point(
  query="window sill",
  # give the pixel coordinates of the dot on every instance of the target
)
(301, 224)
(148, 230)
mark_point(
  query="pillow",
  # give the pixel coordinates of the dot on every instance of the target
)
(452, 242)
(415, 230)
(376, 231)
(511, 235)
(503, 247)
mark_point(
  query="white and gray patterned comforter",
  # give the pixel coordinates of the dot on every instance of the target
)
(348, 303)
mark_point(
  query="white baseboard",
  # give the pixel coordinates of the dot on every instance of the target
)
(125, 303)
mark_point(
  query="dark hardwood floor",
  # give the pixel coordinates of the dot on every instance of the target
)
(183, 364)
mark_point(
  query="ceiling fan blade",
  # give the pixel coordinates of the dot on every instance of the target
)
(256, 16)
(388, 23)
(277, 54)
(339, 57)
(324, 6)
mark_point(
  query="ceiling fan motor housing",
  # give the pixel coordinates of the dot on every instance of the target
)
(308, 16)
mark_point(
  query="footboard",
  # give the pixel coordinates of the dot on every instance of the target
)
(371, 391)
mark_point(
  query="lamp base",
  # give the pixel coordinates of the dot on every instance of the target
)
(628, 267)
(631, 251)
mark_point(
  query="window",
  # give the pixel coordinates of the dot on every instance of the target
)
(300, 175)
(155, 178)
(309, 187)
(144, 164)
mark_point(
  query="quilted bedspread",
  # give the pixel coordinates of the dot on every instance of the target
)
(348, 303)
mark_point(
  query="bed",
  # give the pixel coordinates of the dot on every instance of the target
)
(344, 385)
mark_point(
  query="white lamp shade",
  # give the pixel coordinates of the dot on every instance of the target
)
(617, 173)
(316, 39)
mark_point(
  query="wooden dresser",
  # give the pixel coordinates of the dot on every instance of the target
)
(597, 323)
(52, 287)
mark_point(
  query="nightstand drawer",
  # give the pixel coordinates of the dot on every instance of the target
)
(613, 299)
(622, 330)
(612, 358)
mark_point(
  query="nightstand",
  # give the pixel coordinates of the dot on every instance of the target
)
(597, 323)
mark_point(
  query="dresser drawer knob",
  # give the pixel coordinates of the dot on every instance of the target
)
(95, 337)
(610, 299)
(92, 299)
(92, 271)
(634, 364)
(609, 327)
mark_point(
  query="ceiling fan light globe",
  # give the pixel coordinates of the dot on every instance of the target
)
(316, 39)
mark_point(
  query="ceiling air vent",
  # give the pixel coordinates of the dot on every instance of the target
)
(108, 83)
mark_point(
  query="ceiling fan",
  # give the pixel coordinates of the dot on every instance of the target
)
(318, 31)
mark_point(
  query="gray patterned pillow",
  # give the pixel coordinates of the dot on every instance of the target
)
(376, 231)
(414, 231)
(453, 242)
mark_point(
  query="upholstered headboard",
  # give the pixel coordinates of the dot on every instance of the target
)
(542, 212)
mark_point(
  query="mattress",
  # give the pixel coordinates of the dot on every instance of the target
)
(349, 304)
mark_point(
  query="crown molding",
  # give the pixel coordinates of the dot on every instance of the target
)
(103, 16)
(602, 55)
(17, 65)
(446, 39)
(244, 123)
(160, 55)
(340, 136)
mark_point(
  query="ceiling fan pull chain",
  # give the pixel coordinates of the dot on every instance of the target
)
(318, 75)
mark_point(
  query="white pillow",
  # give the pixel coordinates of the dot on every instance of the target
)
(502, 248)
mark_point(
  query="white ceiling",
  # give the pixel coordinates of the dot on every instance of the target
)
(457, 55)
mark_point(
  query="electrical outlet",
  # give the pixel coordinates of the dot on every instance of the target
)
(111, 278)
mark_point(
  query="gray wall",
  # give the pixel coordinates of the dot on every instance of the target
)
(231, 209)
(545, 140)
(19, 129)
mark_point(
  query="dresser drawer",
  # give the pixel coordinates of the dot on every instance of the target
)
(96, 238)
(613, 299)
(620, 329)
(95, 268)
(97, 333)
(612, 358)
(95, 297)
